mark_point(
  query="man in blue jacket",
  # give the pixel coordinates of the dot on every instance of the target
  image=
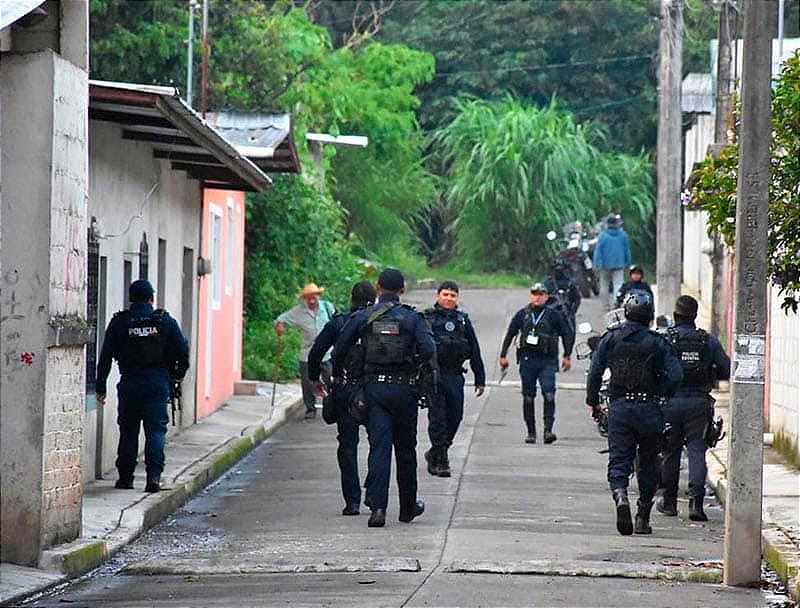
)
(612, 255)
(151, 352)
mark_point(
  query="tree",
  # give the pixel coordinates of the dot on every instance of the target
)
(515, 172)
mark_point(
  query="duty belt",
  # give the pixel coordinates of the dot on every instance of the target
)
(640, 397)
(391, 378)
(344, 381)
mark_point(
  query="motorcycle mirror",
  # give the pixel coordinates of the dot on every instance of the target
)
(551, 236)
(582, 351)
(585, 247)
(585, 328)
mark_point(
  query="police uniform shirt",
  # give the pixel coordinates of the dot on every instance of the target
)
(559, 323)
(667, 363)
(475, 359)
(719, 358)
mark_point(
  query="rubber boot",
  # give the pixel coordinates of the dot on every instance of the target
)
(549, 417)
(624, 523)
(667, 506)
(696, 512)
(444, 462)
(642, 523)
(529, 414)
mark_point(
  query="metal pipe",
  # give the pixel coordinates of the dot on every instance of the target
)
(190, 60)
(204, 76)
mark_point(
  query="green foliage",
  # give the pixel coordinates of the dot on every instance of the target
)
(516, 172)
(714, 186)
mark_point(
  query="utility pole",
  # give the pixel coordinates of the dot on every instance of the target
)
(726, 29)
(204, 73)
(742, 565)
(668, 213)
(190, 59)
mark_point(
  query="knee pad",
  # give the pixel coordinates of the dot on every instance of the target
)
(549, 396)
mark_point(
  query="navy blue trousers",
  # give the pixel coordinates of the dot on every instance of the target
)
(347, 452)
(392, 423)
(447, 411)
(688, 417)
(634, 428)
(142, 400)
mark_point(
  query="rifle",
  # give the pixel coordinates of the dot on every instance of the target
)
(175, 397)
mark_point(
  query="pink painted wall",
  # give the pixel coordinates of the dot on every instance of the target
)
(219, 331)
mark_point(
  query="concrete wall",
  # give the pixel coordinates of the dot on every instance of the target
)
(784, 372)
(219, 359)
(44, 162)
(131, 194)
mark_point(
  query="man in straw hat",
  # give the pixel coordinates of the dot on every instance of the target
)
(309, 317)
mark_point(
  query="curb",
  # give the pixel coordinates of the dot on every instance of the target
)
(83, 555)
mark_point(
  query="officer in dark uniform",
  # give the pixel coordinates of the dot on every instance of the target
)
(691, 410)
(346, 372)
(636, 283)
(538, 328)
(455, 343)
(564, 294)
(151, 352)
(396, 341)
(644, 371)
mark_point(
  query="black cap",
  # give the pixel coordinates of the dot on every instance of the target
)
(686, 306)
(539, 288)
(636, 268)
(140, 291)
(391, 279)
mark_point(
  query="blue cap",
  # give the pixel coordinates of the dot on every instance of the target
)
(140, 291)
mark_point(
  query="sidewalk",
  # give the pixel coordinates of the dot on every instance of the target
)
(194, 458)
(780, 507)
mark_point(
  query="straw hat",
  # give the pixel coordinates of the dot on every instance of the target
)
(311, 289)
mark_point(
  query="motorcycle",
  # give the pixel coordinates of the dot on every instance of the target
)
(576, 255)
(584, 350)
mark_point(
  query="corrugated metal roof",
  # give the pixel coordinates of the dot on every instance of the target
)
(14, 10)
(697, 93)
(264, 138)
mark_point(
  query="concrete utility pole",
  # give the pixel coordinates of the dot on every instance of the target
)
(726, 29)
(204, 69)
(668, 220)
(742, 564)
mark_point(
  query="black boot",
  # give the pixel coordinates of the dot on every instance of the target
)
(667, 506)
(549, 417)
(444, 462)
(643, 517)
(624, 523)
(377, 518)
(431, 457)
(696, 512)
(529, 414)
(412, 511)
(153, 484)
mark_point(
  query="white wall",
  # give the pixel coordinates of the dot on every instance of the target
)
(784, 371)
(131, 193)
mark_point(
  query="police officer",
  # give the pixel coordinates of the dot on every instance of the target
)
(564, 294)
(151, 352)
(636, 283)
(538, 328)
(346, 371)
(691, 410)
(644, 370)
(455, 343)
(395, 342)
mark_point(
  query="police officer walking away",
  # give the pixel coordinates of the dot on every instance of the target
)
(690, 411)
(455, 343)
(538, 328)
(151, 352)
(346, 373)
(396, 341)
(644, 371)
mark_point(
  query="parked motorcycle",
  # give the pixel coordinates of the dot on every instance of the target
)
(576, 256)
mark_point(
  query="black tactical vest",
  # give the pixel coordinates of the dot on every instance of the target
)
(144, 345)
(633, 366)
(543, 333)
(450, 332)
(695, 357)
(388, 346)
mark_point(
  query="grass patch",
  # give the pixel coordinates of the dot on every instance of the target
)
(787, 449)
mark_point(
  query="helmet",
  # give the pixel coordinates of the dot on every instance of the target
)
(559, 264)
(636, 268)
(638, 306)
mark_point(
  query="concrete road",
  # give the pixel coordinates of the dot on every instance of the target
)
(516, 525)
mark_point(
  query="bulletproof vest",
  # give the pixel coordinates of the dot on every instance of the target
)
(543, 333)
(388, 346)
(144, 344)
(695, 357)
(633, 365)
(353, 360)
(450, 332)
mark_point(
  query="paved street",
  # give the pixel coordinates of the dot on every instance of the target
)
(516, 525)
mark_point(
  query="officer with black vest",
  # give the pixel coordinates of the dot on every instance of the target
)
(539, 328)
(455, 343)
(151, 352)
(690, 411)
(396, 341)
(346, 372)
(644, 371)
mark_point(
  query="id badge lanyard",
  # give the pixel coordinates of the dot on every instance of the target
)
(532, 338)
